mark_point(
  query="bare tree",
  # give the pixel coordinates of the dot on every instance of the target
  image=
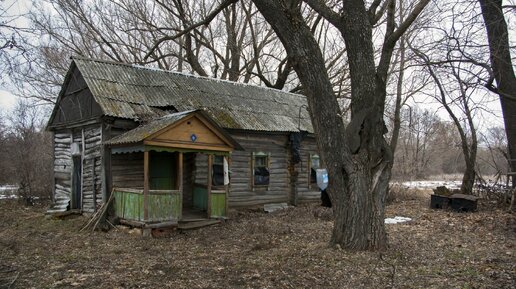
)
(461, 97)
(28, 153)
(502, 70)
(13, 52)
(357, 157)
(417, 149)
(494, 158)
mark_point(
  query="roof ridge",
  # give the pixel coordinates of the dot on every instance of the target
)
(183, 74)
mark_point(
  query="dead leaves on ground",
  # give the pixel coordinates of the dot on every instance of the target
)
(285, 249)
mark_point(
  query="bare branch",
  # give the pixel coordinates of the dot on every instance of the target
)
(205, 21)
(320, 7)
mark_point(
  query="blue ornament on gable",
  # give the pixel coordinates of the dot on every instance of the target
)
(193, 137)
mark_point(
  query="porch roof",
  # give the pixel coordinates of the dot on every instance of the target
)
(150, 130)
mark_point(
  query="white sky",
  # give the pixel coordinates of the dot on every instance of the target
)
(8, 100)
(13, 7)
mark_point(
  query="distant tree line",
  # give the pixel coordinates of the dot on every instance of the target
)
(26, 154)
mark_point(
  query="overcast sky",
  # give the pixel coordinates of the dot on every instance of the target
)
(13, 7)
(18, 7)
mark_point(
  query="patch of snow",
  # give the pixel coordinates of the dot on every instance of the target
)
(397, 220)
(8, 192)
(8, 188)
(431, 184)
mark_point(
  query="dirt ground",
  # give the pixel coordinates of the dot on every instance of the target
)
(286, 249)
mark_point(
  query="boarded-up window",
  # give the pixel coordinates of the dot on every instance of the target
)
(261, 174)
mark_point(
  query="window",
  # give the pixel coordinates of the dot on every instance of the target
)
(314, 163)
(218, 171)
(261, 169)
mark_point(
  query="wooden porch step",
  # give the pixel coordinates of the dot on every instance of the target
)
(197, 224)
(189, 220)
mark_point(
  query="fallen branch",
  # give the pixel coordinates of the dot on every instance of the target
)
(97, 217)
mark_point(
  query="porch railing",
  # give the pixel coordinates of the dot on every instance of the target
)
(162, 205)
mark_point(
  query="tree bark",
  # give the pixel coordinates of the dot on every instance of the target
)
(356, 157)
(501, 64)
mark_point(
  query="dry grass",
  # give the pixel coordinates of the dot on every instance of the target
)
(286, 249)
(398, 193)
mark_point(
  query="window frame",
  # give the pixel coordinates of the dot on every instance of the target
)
(309, 173)
(267, 157)
(215, 163)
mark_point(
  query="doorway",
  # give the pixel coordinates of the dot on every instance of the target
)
(76, 200)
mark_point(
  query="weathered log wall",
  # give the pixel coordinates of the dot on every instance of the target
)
(89, 140)
(305, 190)
(127, 170)
(62, 170)
(242, 190)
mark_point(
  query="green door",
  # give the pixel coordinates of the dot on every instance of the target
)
(162, 171)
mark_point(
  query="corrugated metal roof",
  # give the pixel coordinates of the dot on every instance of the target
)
(143, 131)
(136, 92)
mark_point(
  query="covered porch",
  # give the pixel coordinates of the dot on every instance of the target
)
(171, 170)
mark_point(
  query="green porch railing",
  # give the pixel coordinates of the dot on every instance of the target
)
(163, 205)
(218, 204)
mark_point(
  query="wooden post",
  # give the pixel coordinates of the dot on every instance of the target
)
(145, 185)
(53, 197)
(210, 162)
(180, 182)
(83, 156)
(180, 172)
(226, 188)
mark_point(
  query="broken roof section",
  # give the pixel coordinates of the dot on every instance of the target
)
(121, 90)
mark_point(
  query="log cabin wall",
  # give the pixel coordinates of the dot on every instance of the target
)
(242, 190)
(127, 170)
(89, 140)
(201, 169)
(305, 190)
(91, 167)
(62, 168)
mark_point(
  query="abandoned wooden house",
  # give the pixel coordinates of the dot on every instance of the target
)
(172, 146)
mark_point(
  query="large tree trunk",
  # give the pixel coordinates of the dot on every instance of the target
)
(356, 157)
(502, 69)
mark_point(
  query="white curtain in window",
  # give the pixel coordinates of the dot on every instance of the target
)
(226, 171)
